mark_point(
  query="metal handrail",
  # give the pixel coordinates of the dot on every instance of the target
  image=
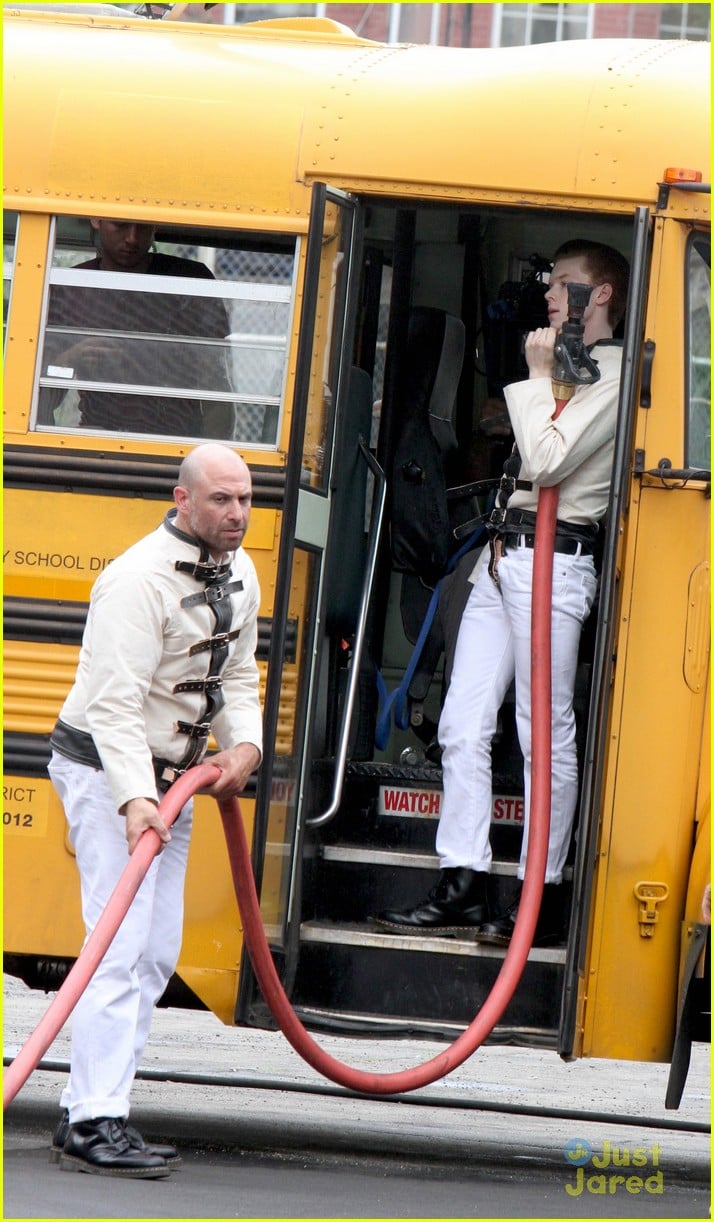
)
(379, 497)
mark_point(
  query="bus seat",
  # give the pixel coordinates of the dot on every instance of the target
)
(348, 537)
(423, 517)
(420, 528)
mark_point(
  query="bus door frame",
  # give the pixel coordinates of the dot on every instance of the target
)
(601, 690)
(305, 525)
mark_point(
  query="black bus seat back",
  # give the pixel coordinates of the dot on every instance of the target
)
(420, 514)
(348, 535)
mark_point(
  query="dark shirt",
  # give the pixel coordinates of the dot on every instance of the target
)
(134, 356)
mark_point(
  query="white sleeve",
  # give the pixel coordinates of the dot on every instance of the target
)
(551, 449)
(126, 646)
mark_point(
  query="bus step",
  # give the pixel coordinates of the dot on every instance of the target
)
(384, 1027)
(352, 883)
(360, 968)
(365, 934)
(393, 857)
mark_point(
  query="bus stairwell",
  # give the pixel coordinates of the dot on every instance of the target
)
(375, 847)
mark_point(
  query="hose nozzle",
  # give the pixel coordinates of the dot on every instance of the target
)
(573, 364)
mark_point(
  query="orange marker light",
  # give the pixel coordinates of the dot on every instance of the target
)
(679, 174)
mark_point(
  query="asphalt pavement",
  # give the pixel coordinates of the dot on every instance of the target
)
(515, 1107)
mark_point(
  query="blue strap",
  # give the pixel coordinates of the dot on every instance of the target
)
(397, 700)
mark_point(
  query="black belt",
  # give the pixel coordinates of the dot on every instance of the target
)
(561, 543)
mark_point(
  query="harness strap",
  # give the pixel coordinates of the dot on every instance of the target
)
(212, 594)
(196, 730)
(202, 570)
(216, 596)
(219, 641)
(212, 683)
(523, 522)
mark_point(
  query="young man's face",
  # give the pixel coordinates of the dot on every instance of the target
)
(124, 245)
(572, 270)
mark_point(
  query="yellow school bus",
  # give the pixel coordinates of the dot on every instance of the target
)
(375, 224)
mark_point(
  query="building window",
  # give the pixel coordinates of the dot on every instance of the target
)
(522, 24)
(685, 21)
(241, 14)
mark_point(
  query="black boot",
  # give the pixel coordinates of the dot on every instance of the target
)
(101, 1147)
(169, 1153)
(458, 904)
(551, 925)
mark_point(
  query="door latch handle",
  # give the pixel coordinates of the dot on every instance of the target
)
(649, 896)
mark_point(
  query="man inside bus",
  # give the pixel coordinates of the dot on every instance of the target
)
(140, 338)
(574, 452)
(167, 656)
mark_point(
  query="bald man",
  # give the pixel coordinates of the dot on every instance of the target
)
(168, 656)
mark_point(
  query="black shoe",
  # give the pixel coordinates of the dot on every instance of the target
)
(101, 1147)
(458, 904)
(169, 1153)
(550, 928)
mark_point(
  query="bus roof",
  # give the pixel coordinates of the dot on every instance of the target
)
(122, 117)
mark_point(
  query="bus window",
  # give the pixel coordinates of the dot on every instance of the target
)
(699, 353)
(194, 347)
(9, 237)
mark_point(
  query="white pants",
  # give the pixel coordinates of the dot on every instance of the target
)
(492, 648)
(111, 1020)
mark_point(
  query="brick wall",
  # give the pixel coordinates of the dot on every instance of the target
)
(470, 25)
(626, 21)
(465, 25)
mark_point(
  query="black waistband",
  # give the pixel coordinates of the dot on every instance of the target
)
(75, 744)
(79, 746)
(523, 522)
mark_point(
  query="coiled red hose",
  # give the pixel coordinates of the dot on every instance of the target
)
(516, 956)
(531, 895)
(98, 942)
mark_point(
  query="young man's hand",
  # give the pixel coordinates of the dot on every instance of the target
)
(539, 352)
(140, 814)
(236, 765)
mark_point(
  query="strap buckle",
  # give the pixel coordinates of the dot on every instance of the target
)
(220, 641)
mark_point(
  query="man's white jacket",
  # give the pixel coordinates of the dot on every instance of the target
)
(137, 648)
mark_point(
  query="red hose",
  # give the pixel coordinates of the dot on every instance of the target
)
(302, 1041)
(541, 693)
(205, 774)
(101, 936)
